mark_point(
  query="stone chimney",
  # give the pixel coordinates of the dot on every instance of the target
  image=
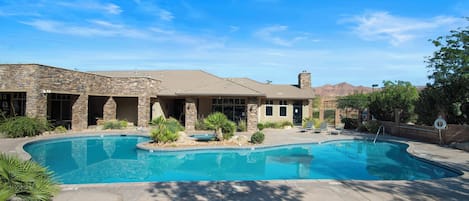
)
(304, 80)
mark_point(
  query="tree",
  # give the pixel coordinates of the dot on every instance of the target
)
(355, 101)
(449, 69)
(395, 96)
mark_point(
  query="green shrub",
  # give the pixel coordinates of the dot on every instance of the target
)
(372, 126)
(228, 129)
(362, 128)
(260, 126)
(23, 126)
(25, 180)
(115, 124)
(257, 137)
(166, 130)
(350, 123)
(123, 124)
(60, 129)
(242, 126)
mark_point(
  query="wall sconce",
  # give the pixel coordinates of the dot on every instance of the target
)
(44, 92)
(252, 108)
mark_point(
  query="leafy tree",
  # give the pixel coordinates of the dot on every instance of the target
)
(355, 101)
(449, 69)
(398, 95)
(25, 180)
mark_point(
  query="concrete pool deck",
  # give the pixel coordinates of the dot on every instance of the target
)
(456, 188)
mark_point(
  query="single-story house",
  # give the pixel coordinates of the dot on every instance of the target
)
(78, 99)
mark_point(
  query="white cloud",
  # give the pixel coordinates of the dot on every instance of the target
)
(112, 9)
(394, 29)
(109, 8)
(101, 28)
(271, 34)
(165, 15)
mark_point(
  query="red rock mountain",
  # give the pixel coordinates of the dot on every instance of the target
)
(341, 89)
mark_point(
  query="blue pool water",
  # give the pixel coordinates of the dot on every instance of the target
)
(111, 159)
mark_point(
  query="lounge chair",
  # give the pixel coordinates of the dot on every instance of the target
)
(338, 129)
(309, 126)
(322, 128)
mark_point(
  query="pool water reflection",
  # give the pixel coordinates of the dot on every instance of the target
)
(112, 159)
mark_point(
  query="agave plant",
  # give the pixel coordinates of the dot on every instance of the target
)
(25, 180)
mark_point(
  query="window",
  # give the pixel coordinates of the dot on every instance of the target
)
(233, 108)
(269, 107)
(283, 108)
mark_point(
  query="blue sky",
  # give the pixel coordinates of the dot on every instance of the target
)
(360, 42)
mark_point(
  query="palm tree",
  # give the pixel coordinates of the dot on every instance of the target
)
(216, 121)
(25, 180)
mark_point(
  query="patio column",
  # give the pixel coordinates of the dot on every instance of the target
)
(143, 111)
(36, 104)
(80, 112)
(310, 108)
(190, 111)
(252, 114)
(321, 111)
(109, 109)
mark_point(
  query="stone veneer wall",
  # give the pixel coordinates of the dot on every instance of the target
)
(453, 132)
(35, 79)
(110, 109)
(304, 80)
(190, 111)
(252, 114)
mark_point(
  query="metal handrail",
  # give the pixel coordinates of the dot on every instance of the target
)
(377, 133)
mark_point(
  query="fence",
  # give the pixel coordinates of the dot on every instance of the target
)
(453, 132)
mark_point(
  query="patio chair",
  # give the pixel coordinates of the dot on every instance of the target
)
(309, 126)
(338, 129)
(322, 128)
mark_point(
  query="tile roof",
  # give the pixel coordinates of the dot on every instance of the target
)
(201, 83)
(275, 91)
(188, 82)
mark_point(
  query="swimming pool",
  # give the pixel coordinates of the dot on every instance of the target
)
(111, 159)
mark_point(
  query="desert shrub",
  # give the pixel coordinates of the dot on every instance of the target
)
(123, 124)
(257, 137)
(283, 124)
(200, 125)
(23, 126)
(115, 124)
(228, 129)
(25, 180)
(242, 126)
(166, 130)
(260, 126)
(350, 123)
(273, 125)
(60, 129)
